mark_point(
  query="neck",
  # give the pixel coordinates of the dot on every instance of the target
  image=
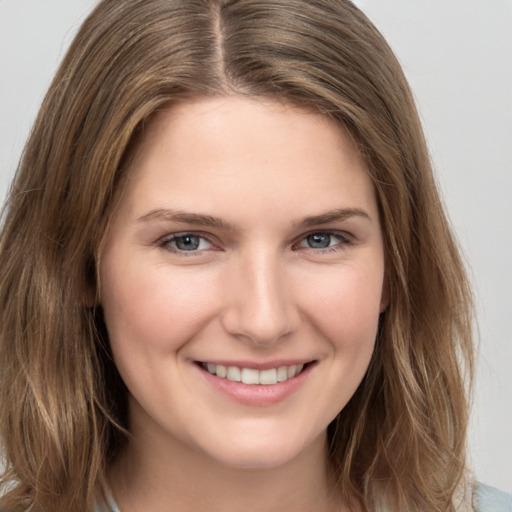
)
(158, 473)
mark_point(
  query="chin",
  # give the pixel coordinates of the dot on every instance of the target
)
(258, 451)
(256, 460)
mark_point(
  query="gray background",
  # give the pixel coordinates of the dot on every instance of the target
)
(458, 57)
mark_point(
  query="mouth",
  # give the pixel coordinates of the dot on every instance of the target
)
(253, 376)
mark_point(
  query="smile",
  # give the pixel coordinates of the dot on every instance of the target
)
(252, 376)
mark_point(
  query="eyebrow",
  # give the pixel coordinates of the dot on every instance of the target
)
(327, 217)
(187, 218)
(338, 215)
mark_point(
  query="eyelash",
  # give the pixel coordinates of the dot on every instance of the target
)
(166, 242)
(344, 237)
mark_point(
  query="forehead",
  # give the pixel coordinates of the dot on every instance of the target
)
(219, 120)
(246, 148)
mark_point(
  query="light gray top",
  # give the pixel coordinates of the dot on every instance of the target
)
(489, 499)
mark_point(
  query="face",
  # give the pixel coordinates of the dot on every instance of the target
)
(242, 280)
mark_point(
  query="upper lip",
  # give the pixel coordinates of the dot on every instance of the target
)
(265, 365)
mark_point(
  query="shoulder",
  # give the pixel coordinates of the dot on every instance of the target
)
(489, 499)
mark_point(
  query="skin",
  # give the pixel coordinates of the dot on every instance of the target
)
(254, 288)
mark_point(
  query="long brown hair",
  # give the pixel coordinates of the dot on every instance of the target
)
(401, 438)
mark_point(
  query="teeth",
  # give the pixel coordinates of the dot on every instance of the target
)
(252, 376)
(234, 374)
(282, 373)
(268, 376)
(292, 371)
(222, 371)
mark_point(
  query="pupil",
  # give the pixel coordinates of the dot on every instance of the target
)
(187, 243)
(319, 240)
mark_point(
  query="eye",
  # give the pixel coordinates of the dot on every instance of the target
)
(324, 240)
(186, 242)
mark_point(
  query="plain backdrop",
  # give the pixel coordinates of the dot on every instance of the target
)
(457, 55)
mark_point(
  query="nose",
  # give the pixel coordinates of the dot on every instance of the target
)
(259, 305)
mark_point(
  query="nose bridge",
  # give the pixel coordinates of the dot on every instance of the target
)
(260, 306)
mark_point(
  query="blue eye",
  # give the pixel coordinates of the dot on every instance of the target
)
(323, 240)
(186, 242)
(319, 240)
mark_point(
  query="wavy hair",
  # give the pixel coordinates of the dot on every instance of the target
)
(401, 439)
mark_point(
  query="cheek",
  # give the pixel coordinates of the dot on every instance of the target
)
(344, 311)
(345, 306)
(154, 308)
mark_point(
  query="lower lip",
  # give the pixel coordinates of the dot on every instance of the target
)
(257, 394)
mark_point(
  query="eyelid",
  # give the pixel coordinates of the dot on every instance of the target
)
(346, 239)
(165, 241)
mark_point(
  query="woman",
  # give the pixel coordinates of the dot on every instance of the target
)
(227, 280)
